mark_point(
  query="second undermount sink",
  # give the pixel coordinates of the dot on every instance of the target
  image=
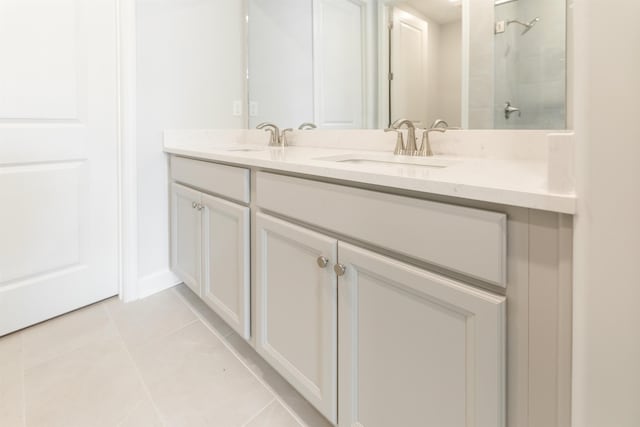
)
(389, 160)
(245, 150)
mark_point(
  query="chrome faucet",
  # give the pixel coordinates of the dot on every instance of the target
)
(283, 137)
(410, 148)
(425, 147)
(399, 150)
(509, 110)
(274, 139)
(307, 126)
(439, 123)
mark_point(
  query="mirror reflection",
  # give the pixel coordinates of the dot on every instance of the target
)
(344, 64)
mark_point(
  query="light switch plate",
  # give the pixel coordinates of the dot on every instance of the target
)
(237, 108)
(500, 27)
(253, 108)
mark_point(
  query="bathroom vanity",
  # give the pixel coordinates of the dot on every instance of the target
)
(383, 303)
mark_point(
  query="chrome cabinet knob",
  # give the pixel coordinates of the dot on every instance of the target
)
(339, 269)
(194, 205)
(200, 207)
(322, 261)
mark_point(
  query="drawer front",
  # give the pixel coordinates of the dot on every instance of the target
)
(464, 240)
(226, 181)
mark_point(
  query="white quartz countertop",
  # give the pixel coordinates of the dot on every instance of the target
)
(520, 183)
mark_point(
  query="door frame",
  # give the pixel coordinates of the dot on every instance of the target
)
(127, 166)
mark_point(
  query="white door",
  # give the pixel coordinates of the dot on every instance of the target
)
(339, 60)
(186, 235)
(225, 261)
(409, 82)
(297, 309)
(417, 349)
(58, 158)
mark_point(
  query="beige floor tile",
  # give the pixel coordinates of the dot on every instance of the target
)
(149, 318)
(63, 334)
(143, 415)
(11, 381)
(209, 316)
(294, 400)
(274, 415)
(95, 385)
(196, 381)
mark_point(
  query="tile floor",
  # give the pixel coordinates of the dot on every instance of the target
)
(166, 360)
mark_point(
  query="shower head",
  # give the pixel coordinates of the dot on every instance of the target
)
(530, 24)
(527, 25)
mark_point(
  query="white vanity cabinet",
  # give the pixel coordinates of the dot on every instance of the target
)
(296, 308)
(210, 239)
(186, 235)
(414, 348)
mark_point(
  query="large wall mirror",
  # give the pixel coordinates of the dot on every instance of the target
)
(477, 64)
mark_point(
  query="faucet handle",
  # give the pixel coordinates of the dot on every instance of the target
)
(399, 141)
(283, 137)
(425, 147)
(275, 132)
(307, 126)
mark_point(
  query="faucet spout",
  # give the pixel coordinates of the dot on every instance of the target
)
(411, 149)
(274, 139)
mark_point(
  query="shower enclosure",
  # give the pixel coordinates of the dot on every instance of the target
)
(530, 64)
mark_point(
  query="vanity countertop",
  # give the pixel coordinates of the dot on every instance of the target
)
(520, 183)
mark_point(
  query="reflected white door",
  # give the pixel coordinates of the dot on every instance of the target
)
(339, 62)
(409, 37)
(58, 158)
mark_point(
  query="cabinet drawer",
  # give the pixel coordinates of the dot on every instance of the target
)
(226, 181)
(464, 240)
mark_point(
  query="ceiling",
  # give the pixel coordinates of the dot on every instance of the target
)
(441, 11)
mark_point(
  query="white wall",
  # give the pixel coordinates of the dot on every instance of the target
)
(450, 73)
(281, 61)
(606, 369)
(189, 71)
(481, 74)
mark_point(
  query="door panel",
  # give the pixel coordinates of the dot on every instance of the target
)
(225, 281)
(417, 348)
(58, 158)
(296, 309)
(409, 91)
(186, 236)
(339, 63)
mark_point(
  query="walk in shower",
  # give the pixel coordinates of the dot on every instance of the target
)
(530, 64)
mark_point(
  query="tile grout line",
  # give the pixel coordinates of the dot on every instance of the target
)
(138, 372)
(24, 385)
(261, 410)
(235, 353)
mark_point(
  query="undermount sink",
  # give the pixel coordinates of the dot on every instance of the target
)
(389, 160)
(246, 149)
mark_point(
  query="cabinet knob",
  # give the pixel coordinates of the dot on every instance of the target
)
(339, 269)
(194, 205)
(322, 261)
(200, 207)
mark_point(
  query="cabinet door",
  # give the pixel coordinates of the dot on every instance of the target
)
(417, 349)
(186, 240)
(225, 255)
(297, 308)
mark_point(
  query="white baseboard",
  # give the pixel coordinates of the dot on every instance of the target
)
(156, 282)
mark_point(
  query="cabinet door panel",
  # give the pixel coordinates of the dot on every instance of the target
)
(225, 281)
(297, 309)
(417, 348)
(186, 237)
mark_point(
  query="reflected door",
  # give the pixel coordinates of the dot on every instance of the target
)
(409, 74)
(58, 158)
(339, 63)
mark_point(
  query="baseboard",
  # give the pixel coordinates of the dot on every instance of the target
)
(156, 282)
